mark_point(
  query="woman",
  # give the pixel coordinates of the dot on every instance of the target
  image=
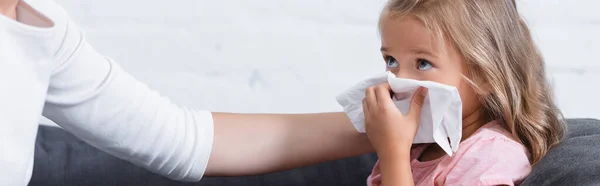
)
(47, 67)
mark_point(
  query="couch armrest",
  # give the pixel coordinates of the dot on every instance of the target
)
(575, 161)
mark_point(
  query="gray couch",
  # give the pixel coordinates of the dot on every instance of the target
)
(61, 159)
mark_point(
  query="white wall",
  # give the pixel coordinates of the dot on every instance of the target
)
(297, 55)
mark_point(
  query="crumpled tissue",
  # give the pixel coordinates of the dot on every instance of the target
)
(441, 115)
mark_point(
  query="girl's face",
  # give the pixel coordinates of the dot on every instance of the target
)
(410, 51)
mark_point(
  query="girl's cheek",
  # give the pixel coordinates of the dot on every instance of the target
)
(439, 76)
(469, 98)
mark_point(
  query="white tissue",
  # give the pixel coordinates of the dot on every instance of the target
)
(441, 116)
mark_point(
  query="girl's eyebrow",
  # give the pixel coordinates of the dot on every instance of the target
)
(414, 51)
(383, 49)
(422, 51)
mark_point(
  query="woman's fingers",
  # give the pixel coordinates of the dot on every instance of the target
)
(416, 103)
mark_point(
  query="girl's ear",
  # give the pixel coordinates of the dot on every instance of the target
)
(485, 89)
(481, 87)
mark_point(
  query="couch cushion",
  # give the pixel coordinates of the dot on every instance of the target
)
(573, 162)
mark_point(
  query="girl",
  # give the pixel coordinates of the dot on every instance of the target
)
(483, 48)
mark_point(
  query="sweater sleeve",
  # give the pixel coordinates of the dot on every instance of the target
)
(93, 98)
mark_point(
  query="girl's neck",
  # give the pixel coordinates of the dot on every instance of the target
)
(9, 8)
(472, 122)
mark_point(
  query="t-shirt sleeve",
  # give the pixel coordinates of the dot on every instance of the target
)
(93, 98)
(496, 161)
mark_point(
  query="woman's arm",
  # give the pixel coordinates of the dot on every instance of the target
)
(90, 96)
(247, 144)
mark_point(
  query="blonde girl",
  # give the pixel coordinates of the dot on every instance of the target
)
(485, 49)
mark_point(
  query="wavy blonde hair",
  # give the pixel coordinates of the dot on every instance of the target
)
(506, 69)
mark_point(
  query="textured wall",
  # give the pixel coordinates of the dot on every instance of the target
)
(296, 55)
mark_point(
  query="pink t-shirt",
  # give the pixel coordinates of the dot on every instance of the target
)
(488, 157)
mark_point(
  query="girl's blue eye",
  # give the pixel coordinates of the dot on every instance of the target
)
(423, 64)
(391, 62)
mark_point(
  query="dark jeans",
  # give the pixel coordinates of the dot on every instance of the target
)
(61, 159)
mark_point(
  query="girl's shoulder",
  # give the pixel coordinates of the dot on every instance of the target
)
(492, 131)
(493, 142)
(492, 154)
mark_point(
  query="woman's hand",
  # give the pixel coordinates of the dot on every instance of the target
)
(391, 132)
(385, 125)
